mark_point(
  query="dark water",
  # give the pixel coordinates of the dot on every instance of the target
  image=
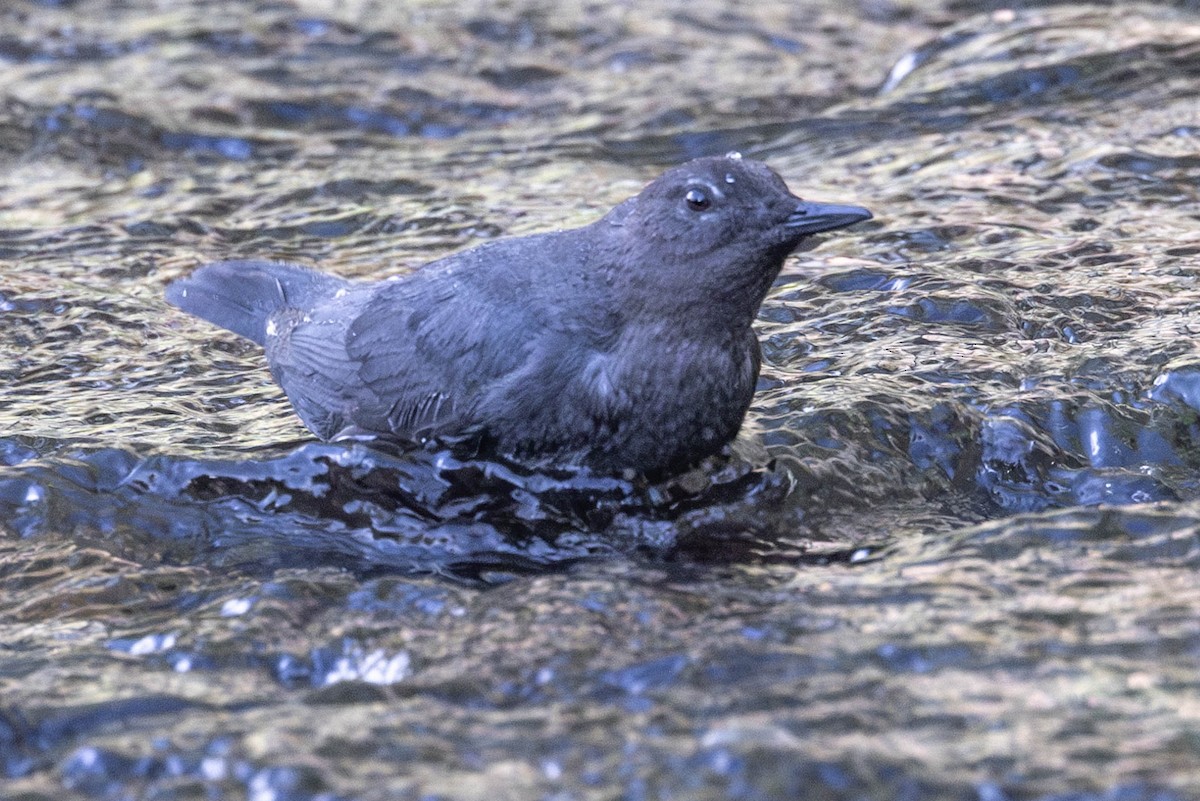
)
(954, 554)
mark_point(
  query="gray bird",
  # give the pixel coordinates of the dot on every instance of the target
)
(626, 343)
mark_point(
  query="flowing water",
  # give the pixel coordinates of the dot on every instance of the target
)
(953, 554)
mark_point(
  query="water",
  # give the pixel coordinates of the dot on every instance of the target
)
(953, 555)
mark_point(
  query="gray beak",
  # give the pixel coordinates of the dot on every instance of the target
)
(813, 218)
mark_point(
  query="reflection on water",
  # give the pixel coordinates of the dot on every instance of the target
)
(368, 510)
(953, 555)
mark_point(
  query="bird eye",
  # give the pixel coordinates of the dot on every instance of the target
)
(697, 199)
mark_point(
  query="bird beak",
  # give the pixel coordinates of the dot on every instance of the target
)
(813, 218)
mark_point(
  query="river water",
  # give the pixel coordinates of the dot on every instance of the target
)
(954, 554)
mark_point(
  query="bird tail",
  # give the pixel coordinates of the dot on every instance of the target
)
(241, 295)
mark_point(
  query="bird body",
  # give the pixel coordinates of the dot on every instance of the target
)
(626, 343)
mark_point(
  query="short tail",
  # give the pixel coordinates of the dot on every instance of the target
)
(241, 295)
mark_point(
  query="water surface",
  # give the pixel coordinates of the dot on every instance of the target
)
(953, 555)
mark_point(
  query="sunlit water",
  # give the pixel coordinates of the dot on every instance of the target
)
(953, 554)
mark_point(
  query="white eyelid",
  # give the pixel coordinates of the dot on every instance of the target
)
(714, 192)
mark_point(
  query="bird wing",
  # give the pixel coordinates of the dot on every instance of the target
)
(306, 350)
(428, 347)
(466, 339)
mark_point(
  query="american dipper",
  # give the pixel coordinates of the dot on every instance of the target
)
(626, 343)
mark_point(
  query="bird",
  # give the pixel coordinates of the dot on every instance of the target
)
(623, 345)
